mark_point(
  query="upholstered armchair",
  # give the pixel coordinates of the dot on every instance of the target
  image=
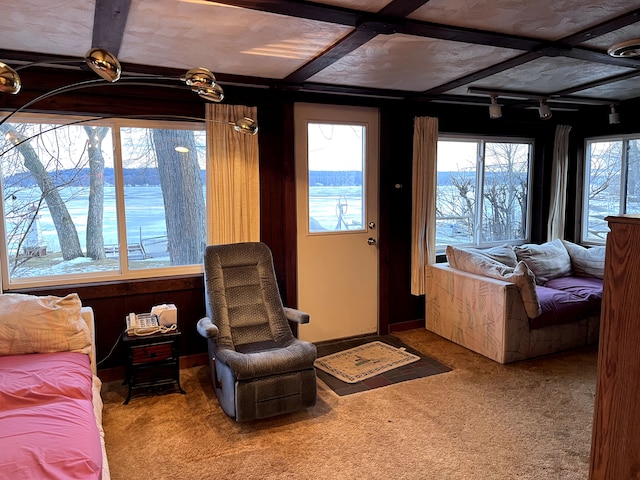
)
(258, 368)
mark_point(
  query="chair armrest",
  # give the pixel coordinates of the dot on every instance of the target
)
(207, 329)
(297, 316)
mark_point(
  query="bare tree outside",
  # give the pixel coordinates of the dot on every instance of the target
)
(95, 214)
(613, 181)
(504, 208)
(174, 159)
(182, 194)
(40, 169)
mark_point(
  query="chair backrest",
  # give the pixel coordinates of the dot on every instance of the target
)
(242, 296)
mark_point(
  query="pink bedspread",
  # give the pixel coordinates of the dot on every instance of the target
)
(47, 425)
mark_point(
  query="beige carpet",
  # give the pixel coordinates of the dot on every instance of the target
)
(529, 420)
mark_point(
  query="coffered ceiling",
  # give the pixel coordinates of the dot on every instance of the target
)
(425, 50)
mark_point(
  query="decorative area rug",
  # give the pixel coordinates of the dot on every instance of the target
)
(411, 363)
(365, 361)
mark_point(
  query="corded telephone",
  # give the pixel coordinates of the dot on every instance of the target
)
(145, 324)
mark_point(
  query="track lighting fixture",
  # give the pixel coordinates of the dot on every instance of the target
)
(495, 109)
(614, 116)
(544, 110)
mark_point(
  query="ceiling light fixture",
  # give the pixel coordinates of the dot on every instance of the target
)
(104, 64)
(614, 116)
(495, 109)
(544, 110)
(626, 49)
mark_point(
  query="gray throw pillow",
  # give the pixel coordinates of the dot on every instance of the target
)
(521, 275)
(547, 261)
(586, 262)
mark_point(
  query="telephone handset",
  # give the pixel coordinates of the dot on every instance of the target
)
(142, 324)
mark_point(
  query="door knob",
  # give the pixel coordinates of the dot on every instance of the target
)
(371, 241)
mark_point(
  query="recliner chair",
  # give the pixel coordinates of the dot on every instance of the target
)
(258, 368)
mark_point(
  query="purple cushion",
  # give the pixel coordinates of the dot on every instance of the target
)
(559, 307)
(589, 288)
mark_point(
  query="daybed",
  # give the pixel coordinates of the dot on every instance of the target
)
(50, 405)
(512, 303)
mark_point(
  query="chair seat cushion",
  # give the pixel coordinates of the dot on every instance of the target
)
(295, 356)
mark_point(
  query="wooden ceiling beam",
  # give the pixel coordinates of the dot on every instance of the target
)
(109, 20)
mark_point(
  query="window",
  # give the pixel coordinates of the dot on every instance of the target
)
(482, 193)
(612, 184)
(88, 200)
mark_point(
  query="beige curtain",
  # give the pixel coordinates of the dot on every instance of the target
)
(557, 213)
(233, 182)
(423, 220)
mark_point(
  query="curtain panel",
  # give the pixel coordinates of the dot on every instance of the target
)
(233, 180)
(557, 213)
(423, 220)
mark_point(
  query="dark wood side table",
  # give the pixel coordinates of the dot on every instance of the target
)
(153, 361)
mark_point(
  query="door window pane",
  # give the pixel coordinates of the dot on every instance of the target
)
(336, 186)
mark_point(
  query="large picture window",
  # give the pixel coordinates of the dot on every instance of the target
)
(100, 199)
(612, 183)
(482, 194)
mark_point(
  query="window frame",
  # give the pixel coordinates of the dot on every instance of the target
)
(122, 272)
(481, 141)
(623, 185)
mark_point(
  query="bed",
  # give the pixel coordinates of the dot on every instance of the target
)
(50, 404)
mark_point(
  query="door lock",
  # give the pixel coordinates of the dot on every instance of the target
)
(372, 225)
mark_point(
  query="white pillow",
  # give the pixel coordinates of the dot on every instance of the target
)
(502, 253)
(521, 275)
(33, 324)
(547, 261)
(586, 262)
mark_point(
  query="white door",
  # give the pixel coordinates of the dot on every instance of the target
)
(337, 207)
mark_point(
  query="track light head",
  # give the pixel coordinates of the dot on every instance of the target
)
(614, 116)
(103, 64)
(245, 125)
(9, 79)
(495, 109)
(544, 110)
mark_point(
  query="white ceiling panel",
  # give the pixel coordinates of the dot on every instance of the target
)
(345, 46)
(546, 75)
(411, 63)
(544, 19)
(603, 42)
(622, 90)
(58, 27)
(222, 38)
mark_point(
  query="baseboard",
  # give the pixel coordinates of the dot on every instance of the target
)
(118, 373)
(196, 360)
(408, 325)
